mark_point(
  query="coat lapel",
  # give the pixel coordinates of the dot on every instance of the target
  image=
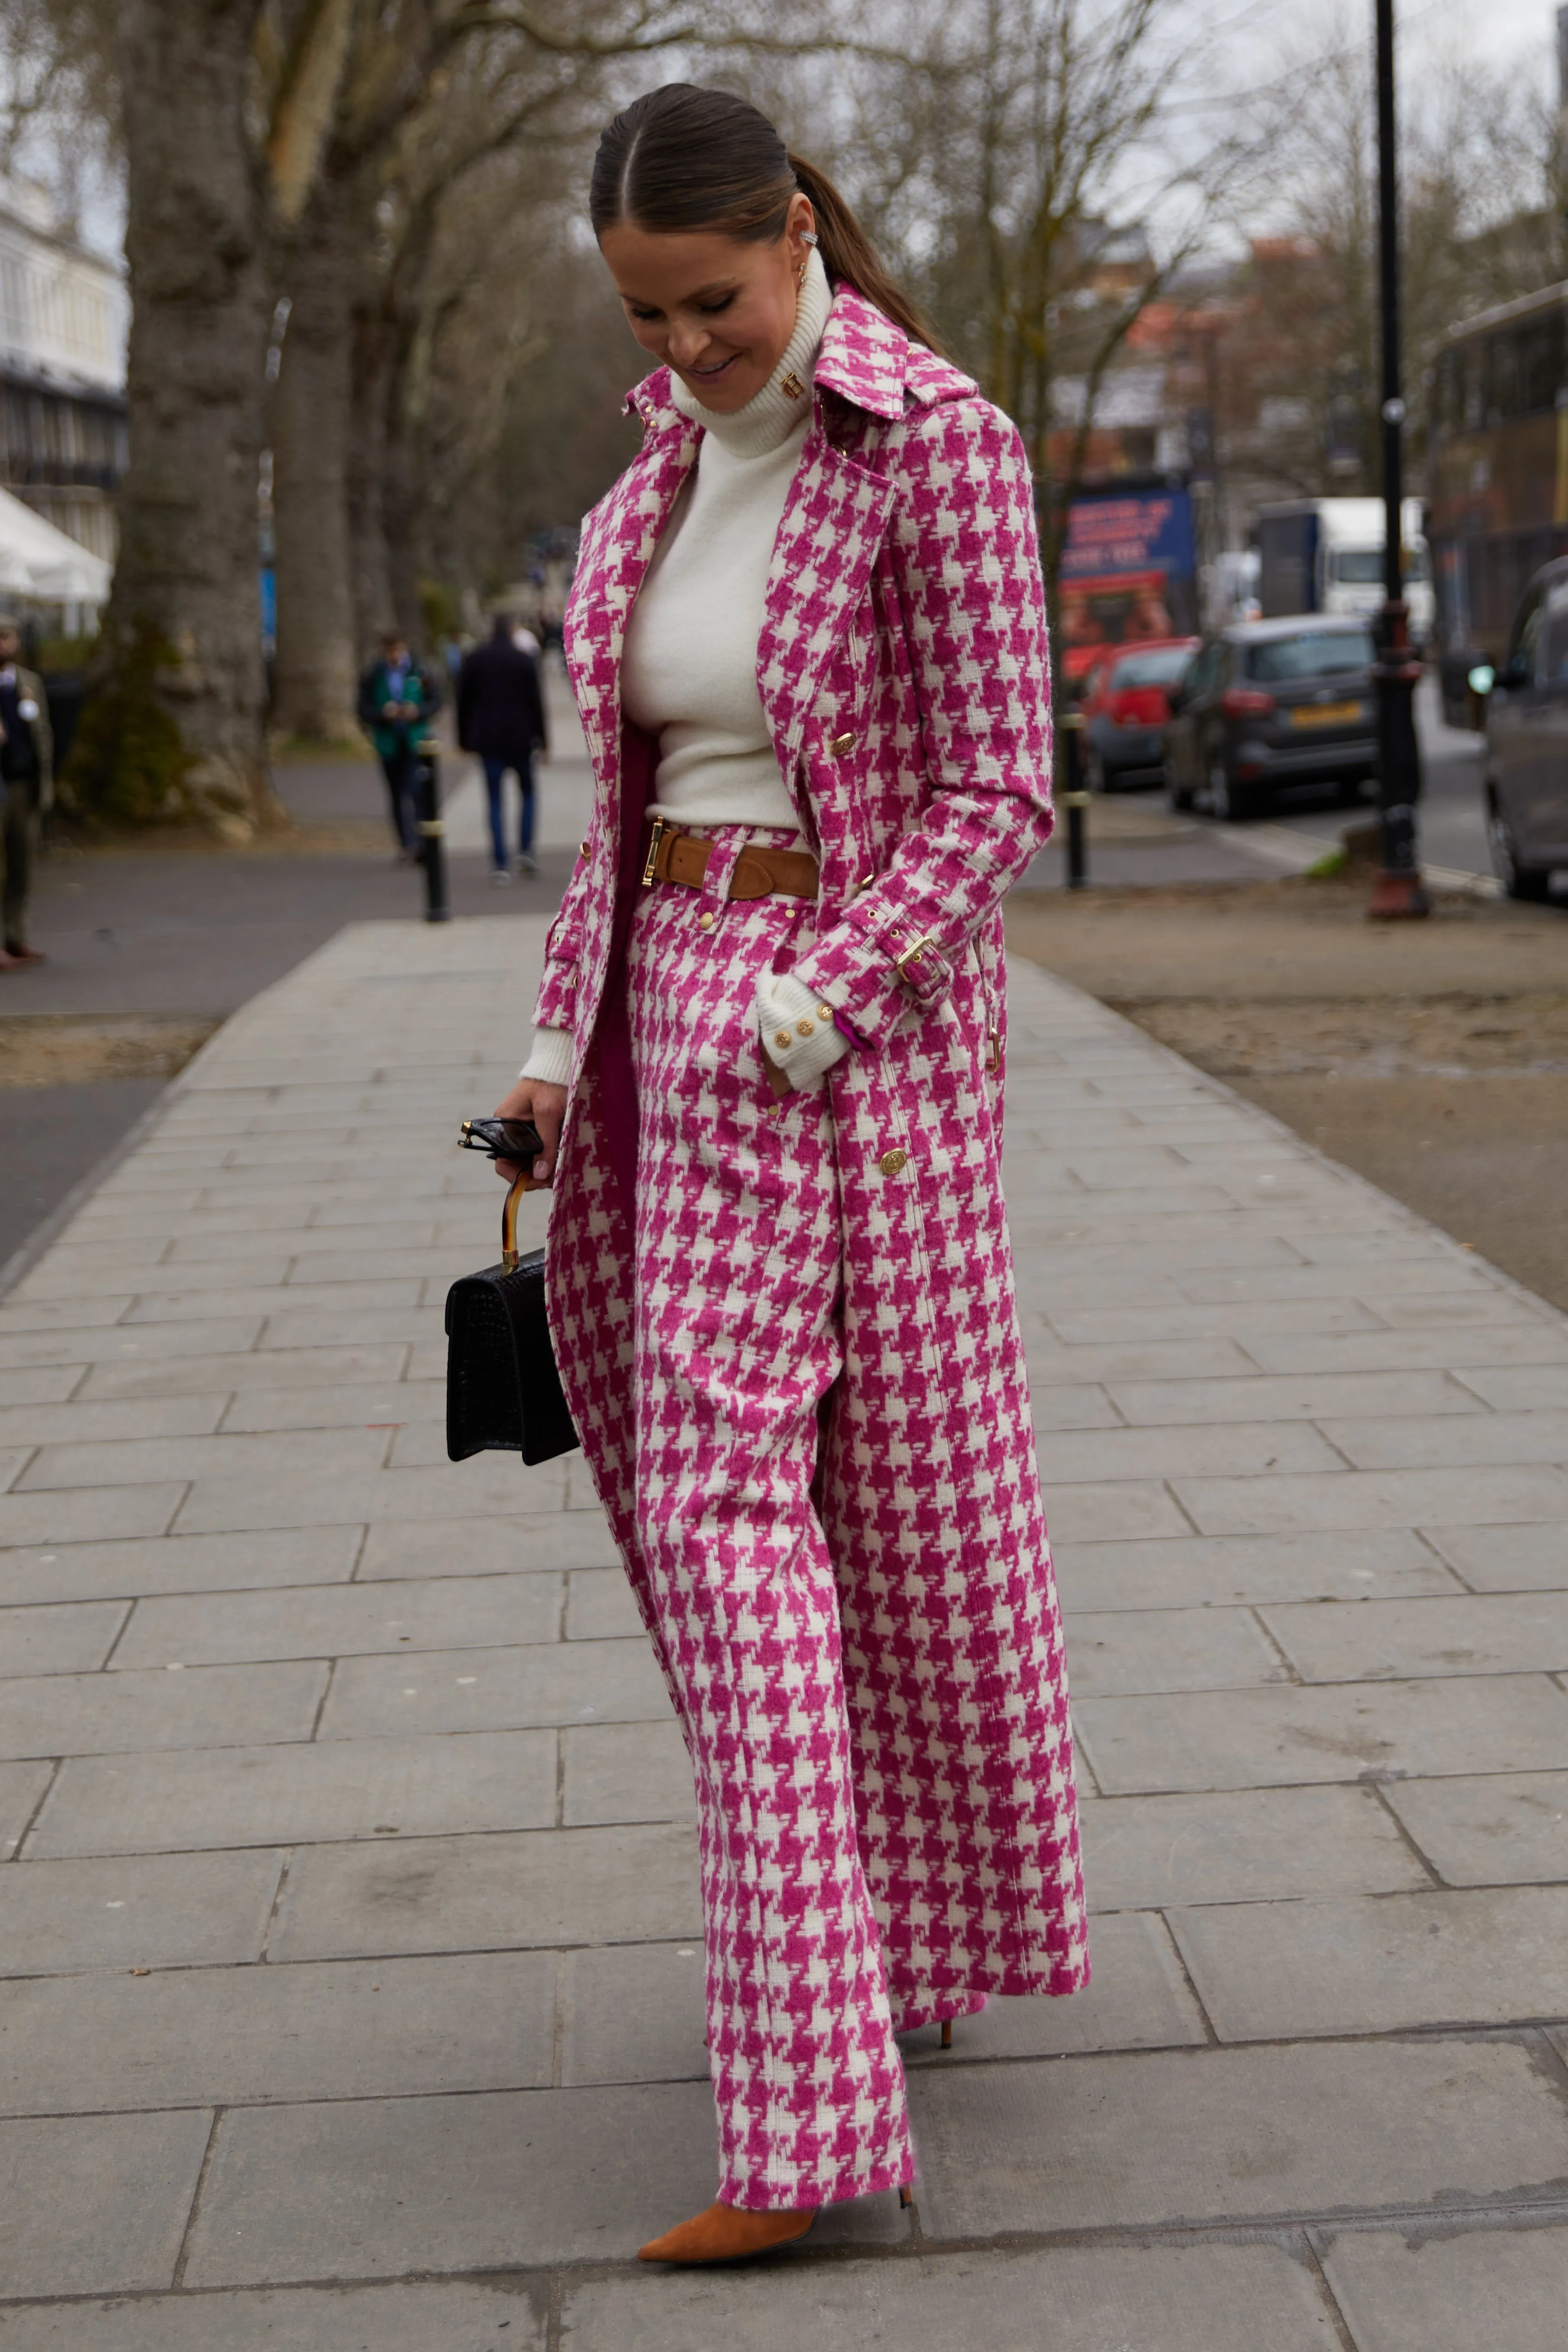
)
(833, 524)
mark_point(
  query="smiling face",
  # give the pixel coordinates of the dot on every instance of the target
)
(719, 311)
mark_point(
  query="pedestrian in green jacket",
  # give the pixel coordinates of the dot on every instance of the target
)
(398, 698)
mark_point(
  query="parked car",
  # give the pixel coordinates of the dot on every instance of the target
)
(1268, 706)
(1525, 771)
(1126, 703)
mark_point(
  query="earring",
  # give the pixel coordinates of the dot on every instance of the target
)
(808, 238)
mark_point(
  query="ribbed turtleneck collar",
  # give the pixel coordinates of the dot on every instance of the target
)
(771, 416)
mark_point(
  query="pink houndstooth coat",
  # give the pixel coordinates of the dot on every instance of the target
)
(904, 672)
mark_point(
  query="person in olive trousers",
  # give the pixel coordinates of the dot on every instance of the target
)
(26, 785)
(398, 698)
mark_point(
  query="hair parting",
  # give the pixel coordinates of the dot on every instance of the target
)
(683, 158)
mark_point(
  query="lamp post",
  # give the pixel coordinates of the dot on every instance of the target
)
(1398, 891)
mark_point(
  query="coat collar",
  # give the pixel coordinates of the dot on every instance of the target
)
(865, 358)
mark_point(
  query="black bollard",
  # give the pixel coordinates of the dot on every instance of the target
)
(432, 833)
(1075, 800)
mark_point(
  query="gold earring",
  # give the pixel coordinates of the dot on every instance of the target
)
(800, 275)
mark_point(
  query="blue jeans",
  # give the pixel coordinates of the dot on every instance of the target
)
(522, 765)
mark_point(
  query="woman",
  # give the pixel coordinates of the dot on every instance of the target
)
(806, 637)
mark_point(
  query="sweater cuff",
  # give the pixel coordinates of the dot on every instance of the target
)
(550, 1057)
(798, 1029)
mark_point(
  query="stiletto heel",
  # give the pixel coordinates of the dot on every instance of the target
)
(947, 2033)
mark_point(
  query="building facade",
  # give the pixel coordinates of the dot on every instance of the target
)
(64, 317)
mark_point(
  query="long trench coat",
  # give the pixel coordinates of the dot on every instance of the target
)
(904, 673)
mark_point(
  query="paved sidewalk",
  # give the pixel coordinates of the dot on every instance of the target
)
(350, 1942)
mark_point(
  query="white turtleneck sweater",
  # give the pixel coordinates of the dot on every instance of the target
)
(688, 664)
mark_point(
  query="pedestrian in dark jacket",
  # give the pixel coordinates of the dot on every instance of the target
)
(27, 787)
(500, 718)
(398, 698)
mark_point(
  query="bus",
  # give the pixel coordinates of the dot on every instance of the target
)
(1499, 473)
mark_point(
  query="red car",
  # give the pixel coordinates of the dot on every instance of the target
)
(1126, 704)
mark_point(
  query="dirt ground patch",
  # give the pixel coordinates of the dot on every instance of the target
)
(63, 1049)
(1430, 1057)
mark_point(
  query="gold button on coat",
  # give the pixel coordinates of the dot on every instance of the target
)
(805, 1027)
(705, 922)
(892, 1162)
(840, 744)
(825, 1012)
(782, 1039)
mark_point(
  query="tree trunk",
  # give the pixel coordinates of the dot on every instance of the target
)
(312, 422)
(374, 381)
(172, 726)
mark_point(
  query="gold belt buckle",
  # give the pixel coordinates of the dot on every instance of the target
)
(649, 876)
(912, 955)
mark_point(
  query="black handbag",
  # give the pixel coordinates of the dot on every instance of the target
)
(504, 1392)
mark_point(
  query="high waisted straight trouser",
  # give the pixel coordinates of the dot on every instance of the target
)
(738, 1340)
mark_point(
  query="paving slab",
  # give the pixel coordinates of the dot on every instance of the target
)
(1265, 1739)
(411, 2317)
(1191, 1571)
(96, 2204)
(1503, 1634)
(1213, 2298)
(1304, 1397)
(1168, 1650)
(1402, 2293)
(541, 1540)
(1505, 1560)
(111, 1418)
(299, 1795)
(83, 1514)
(499, 2180)
(246, 2036)
(99, 1715)
(21, 1786)
(387, 1405)
(64, 1639)
(1502, 1828)
(1379, 1964)
(341, 1621)
(475, 1894)
(625, 1772)
(1084, 1457)
(1373, 1498)
(1144, 2139)
(1244, 1846)
(142, 1911)
(303, 1368)
(152, 1564)
(495, 1689)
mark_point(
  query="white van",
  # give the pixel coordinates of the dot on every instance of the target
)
(1325, 555)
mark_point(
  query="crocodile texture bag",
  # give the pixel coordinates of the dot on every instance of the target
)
(504, 1392)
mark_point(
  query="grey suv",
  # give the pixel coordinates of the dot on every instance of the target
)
(1525, 777)
(1268, 705)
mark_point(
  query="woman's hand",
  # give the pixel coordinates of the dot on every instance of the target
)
(546, 1105)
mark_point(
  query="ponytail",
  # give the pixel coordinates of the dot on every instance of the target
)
(849, 257)
(682, 158)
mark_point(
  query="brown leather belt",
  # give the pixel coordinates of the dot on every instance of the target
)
(675, 856)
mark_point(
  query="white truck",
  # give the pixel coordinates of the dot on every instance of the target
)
(1325, 555)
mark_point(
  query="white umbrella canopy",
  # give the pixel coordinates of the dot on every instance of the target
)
(37, 560)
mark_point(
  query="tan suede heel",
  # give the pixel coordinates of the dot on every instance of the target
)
(727, 2234)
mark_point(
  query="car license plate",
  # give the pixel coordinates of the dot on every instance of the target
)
(1325, 714)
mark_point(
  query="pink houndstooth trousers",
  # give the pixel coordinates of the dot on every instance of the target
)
(738, 1292)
